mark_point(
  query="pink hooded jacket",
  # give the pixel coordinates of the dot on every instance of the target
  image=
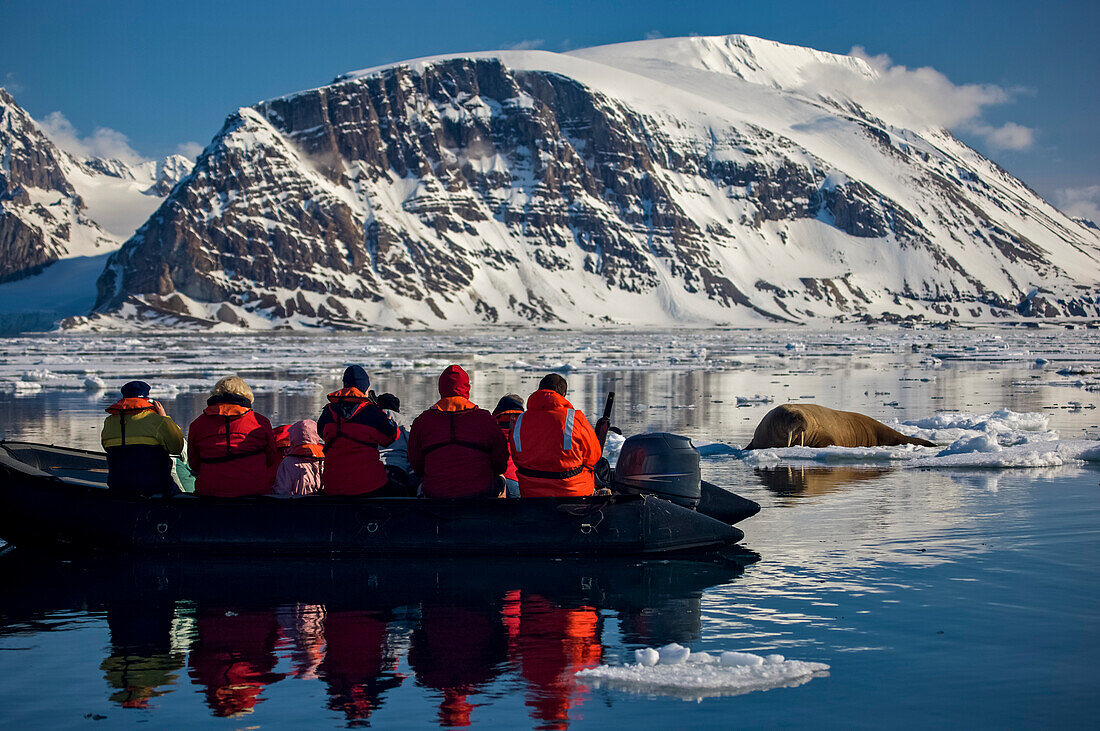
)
(300, 471)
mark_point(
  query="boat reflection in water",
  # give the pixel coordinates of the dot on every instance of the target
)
(243, 630)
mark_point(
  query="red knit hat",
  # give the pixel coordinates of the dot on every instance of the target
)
(454, 382)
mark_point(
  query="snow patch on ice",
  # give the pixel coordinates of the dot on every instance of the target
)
(676, 671)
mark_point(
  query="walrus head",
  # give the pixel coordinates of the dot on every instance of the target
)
(790, 425)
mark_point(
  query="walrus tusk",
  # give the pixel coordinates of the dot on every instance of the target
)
(790, 438)
(802, 439)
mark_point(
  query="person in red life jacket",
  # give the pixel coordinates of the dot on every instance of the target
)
(354, 427)
(457, 448)
(507, 411)
(139, 439)
(553, 446)
(233, 657)
(282, 439)
(301, 469)
(230, 447)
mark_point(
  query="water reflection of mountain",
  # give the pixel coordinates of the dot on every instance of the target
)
(252, 628)
(800, 481)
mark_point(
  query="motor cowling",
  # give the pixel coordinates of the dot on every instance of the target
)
(662, 464)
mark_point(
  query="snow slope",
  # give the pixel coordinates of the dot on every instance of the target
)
(725, 180)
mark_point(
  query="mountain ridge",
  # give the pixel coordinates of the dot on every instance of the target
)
(681, 181)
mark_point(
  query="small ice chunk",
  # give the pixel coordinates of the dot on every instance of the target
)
(94, 383)
(700, 675)
(716, 449)
(612, 446)
(674, 654)
(985, 442)
(737, 659)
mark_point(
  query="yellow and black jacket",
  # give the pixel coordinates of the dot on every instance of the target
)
(138, 442)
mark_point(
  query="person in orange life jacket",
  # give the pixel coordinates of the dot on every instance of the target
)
(554, 447)
(456, 447)
(230, 447)
(354, 427)
(507, 411)
(139, 439)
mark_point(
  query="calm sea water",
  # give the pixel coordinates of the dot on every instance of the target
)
(960, 598)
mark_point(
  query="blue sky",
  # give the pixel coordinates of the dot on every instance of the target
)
(157, 75)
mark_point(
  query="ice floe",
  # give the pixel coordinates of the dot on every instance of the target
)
(674, 670)
(999, 439)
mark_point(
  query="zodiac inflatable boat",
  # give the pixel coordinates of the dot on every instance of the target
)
(56, 498)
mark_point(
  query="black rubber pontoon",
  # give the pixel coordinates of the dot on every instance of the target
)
(56, 498)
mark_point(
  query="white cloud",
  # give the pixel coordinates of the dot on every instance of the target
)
(1080, 202)
(13, 86)
(189, 149)
(103, 142)
(528, 44)
(654, 35)
(923, 97)
(1009, 136)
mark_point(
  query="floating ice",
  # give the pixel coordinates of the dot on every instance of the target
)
(1000, 439)
(94, 383)
(612, 446)
(716, 449)
(675, 671)
(966, 445)
(674, 654)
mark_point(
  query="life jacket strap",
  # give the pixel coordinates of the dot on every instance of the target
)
(550, 475)
(338, 419)
(454, 440)
(231, 456)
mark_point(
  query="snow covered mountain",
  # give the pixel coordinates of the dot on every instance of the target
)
(60, 217)
(689, 181)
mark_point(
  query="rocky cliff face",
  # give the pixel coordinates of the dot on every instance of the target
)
(540, 189)
(60, 216)
(37, 202)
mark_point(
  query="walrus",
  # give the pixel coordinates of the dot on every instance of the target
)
(810, 425)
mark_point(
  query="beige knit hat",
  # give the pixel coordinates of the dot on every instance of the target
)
(234, 386)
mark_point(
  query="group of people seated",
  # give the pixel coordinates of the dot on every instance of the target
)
(358, 446)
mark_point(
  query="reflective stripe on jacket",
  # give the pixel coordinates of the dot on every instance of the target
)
(554, 448)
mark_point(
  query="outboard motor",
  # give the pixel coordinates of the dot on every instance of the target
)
(661, 464)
